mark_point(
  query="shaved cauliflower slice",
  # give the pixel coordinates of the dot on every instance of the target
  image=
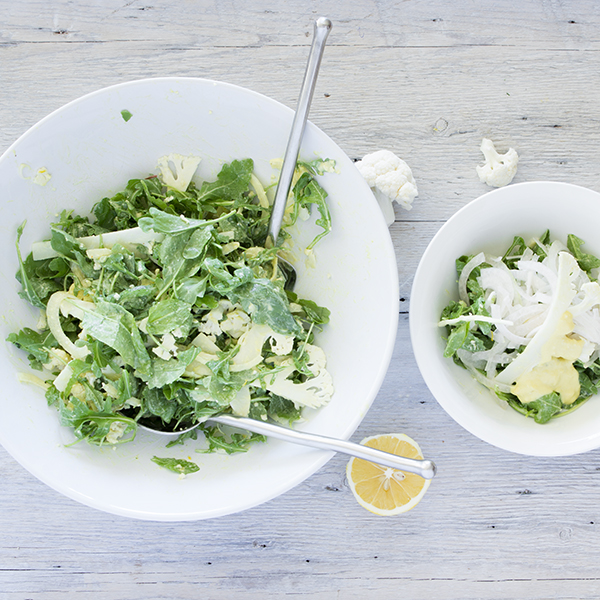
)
(67, 304)
(236, 323)
(211, 321)
(314, 392)
(180, 174)
(499, 169)
(240, 405)
(390, 179)
(252, 342)
(206, 344)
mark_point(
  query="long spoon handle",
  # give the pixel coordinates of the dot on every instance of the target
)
(424, 468)
(322, 29)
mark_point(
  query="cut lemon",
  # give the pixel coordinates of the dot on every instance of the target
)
(383, 490)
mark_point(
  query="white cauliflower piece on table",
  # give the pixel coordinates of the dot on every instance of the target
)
(390, 179)
(176, 170)
(499, 169)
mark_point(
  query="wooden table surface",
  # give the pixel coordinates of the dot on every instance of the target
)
(428, 80)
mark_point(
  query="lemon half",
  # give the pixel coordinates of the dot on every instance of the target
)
(383, 490)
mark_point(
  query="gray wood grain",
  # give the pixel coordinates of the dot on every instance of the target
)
(427, 80)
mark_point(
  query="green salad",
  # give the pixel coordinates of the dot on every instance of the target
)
(527, 324)
(165, 307)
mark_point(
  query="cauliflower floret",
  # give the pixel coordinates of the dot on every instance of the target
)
(499, 169)
(42, 177)
(391, 179)
(180, 174)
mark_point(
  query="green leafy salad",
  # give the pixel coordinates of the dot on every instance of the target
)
(527, 324)
(165, 308)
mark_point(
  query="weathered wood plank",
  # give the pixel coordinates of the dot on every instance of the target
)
(368, 23)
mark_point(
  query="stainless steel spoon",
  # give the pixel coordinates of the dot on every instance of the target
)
(424, 468)
(321, 31)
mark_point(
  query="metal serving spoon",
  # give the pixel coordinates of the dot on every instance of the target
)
(424, 468)
(321, 31)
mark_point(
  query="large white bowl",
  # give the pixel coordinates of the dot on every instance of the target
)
(91, 152)
(490, 223)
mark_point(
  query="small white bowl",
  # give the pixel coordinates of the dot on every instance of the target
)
(90, 152)
(489, 224)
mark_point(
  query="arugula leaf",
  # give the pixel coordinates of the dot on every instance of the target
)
(312, 312)
(137, 299)
(157, 404)
(176, 267)
(189, 289)
(164, 372)
(454, 310)
(232, 181)
(306, 193)
(586, 262)
(319, 166)
(514, 253)
(457, 338)
(28, 292)
(197, 243)
(546, 407)
(177, 465)
(236, 442)
(93, 425)
(267, 303)
(222, 386)
(221, 280)
(282, 409)
(192, 434)
(114, 326)
(167, 315)
(76, 225)
(66, 244)
(163, 222)
(35, 343)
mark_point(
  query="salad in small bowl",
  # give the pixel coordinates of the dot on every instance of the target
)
(505, 318)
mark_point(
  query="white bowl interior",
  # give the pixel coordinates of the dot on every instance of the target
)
(91, 152)
(490, 223)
